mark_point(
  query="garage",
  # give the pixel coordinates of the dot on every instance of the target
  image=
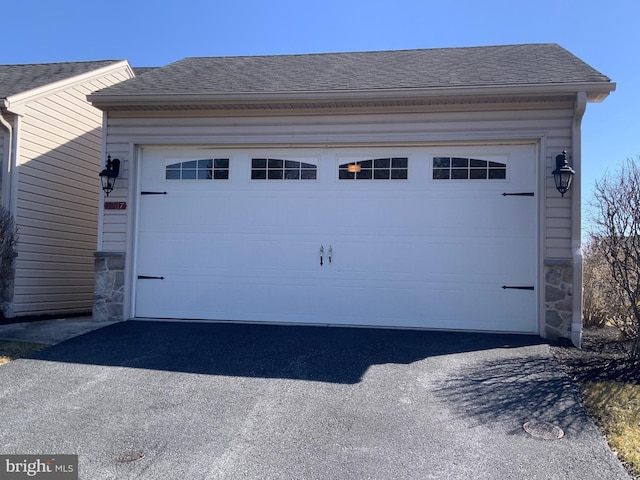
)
(438, 237)
(400, 188)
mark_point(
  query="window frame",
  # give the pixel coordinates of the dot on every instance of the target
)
(454, 166)
(280, 168)
(373, 164)
(183, 166)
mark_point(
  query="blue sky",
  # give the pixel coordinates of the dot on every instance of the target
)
(154, 33)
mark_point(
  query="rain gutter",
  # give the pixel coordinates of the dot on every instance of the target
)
(9, 160)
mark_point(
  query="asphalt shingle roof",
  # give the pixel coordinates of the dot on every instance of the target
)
(142, 70)
(16, 79)
(531, 64)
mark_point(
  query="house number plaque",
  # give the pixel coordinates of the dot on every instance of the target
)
(115, 205)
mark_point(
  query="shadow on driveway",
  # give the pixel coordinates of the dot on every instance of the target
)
(226, 401)
(517, 386)
(324, 354)
(513, 389)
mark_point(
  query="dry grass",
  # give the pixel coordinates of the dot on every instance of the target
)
(12, 350)
(615, 407)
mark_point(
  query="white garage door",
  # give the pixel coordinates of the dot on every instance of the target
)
(408, 237)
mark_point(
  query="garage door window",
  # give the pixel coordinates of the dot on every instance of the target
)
(394, 168)
(206, 169)
(281, 169)
(461, 168)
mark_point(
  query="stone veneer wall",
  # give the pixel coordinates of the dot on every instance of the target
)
(558, 299)
(108, 298)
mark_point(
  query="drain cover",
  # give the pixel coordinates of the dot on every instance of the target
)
(126, 457)
(544, 430)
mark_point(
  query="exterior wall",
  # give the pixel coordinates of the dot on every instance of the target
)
(59, 157)
(548, 124)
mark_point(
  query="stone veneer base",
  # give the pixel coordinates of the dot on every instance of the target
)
(108, 297)
(558, 299)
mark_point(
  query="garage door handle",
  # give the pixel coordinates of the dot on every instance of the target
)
(517, 287)
(149, 277)
(321, 253)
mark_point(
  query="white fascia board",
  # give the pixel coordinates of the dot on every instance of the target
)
(597, 91)
(15, 102)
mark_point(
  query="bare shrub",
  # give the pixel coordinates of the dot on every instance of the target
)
(616, 230)
(8, 241)
(604, 302)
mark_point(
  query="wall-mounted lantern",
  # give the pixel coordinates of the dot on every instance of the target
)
(563, 174)
(109, 174)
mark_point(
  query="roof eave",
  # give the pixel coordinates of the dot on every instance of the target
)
(26, 96)
(596, 92)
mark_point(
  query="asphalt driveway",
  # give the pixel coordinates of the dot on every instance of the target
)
(209, 401)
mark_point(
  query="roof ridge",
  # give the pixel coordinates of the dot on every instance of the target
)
(364, 52)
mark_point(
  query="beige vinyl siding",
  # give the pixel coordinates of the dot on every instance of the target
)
(57, 202)
(549, 123)
(115, 228)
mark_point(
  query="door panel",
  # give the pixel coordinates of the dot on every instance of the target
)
(409, 253)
